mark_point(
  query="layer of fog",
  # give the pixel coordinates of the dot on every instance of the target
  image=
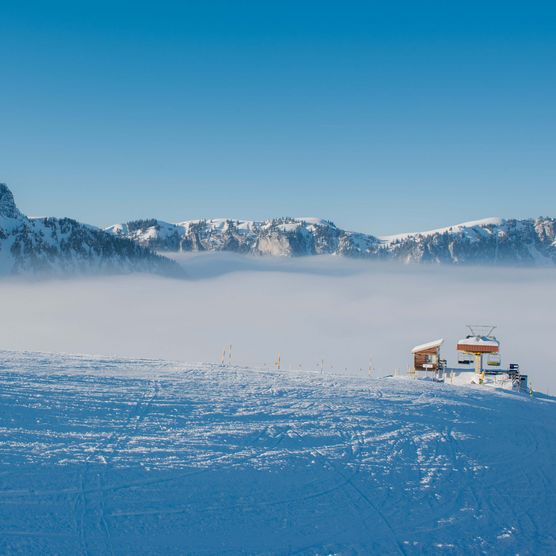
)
(309, 310)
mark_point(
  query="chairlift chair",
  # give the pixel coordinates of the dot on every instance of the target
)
(493, 360)
(464, 359)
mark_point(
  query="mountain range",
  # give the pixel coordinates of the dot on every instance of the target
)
(489, 241)
(62, 246)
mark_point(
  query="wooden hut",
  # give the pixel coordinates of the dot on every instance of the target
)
(426, 357)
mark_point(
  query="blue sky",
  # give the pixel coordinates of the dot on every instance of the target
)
(382, 116)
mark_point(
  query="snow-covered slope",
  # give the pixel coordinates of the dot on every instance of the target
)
(488, 241)
(64, 246)
(104, 456)
(464, 227)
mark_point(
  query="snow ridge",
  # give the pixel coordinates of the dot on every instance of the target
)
(493, 221)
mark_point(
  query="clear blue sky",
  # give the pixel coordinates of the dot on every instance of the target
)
(382, 116)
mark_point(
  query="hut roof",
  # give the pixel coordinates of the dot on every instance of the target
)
(481, 343)
(429, 345)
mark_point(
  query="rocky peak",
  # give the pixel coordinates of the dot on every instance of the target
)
(8, 208)
(62, 246)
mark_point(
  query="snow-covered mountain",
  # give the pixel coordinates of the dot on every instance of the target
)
(64, 246)
(489, 241)
(279, 236)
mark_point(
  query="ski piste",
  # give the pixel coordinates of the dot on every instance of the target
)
(111, 455)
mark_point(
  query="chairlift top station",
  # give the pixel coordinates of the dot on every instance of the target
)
(479, 348)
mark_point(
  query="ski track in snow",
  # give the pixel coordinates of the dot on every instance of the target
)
(113, 456)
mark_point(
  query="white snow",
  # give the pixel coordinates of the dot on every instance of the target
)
(313, 220)
(493, 221)
(289, 227)
(466, 377)
(115, 456)
(479, 341)
(429, 345)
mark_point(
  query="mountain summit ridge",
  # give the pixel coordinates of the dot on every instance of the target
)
(65, 246)
(487, 241)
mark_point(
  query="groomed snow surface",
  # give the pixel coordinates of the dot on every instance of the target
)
(105, 456)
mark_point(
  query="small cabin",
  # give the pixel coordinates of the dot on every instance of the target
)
(426, 357)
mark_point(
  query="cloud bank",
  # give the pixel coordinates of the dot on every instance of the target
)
(309, 310)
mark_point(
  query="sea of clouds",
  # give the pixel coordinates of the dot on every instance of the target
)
(310, 310)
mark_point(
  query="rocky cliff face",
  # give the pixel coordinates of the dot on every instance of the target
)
(279, 236)
(64, 246)
(491, 241)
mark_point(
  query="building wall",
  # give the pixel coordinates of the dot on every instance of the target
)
(430, 356)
